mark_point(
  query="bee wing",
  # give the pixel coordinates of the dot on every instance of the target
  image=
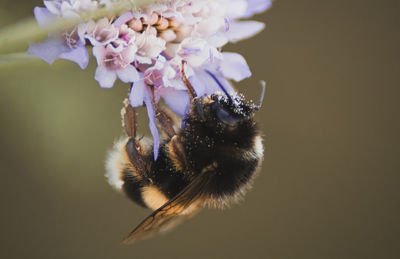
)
(180, 208)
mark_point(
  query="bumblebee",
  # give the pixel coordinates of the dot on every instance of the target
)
(210, 161)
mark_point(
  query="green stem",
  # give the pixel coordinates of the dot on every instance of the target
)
(17, 36)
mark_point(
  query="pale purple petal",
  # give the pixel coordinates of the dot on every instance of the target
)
(124, 18)
(177, 100)
(211, 82)
(43, 16)
(234, 66)
(242, 30)
(105, 77)
(79, 55)
(198, 84)
(48, 50)
(256, 6)
(219, 82)
(136, 96)
(128, 74)
(53, 6)
(152, 122)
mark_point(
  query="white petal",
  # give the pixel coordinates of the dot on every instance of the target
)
(236, 8)
(128, 74)
(209, 26)
(242, 30)
(105, 77)
(218, 40)
(143, 60)
(129, 53)
(99, 52)
(234, 66)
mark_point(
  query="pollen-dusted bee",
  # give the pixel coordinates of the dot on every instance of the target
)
(210, 161)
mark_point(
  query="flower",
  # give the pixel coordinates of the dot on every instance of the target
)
(68, 45)
(115, 62)
(146, 47)
(101, 32)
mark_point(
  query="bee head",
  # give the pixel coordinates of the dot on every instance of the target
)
(226, 109)
(231, 109)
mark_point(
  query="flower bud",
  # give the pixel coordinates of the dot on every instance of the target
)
(136, 24)
(162, 24)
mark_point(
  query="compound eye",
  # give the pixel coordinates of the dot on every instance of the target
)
(223, 115)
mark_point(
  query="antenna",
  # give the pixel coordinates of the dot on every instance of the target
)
(258, 107)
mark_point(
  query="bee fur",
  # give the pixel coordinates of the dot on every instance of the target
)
(211, 161)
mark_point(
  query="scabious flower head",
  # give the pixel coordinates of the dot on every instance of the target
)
(146, 47)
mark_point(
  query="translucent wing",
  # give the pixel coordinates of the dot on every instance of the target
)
(180, 208)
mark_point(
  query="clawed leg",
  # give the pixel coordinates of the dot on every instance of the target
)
(129, 120)
(134, 148)
(165, 122)
(191, 91)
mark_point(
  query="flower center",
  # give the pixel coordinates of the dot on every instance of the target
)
(162, 27)
(114, 61)
(71, 38)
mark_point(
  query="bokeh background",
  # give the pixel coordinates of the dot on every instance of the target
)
(329, 186)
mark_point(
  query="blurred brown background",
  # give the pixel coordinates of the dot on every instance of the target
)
(329, 186)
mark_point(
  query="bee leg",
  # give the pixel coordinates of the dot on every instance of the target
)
(129, 164)
(177, 154)
(165, 122)
(190, 88)
(129, 119)
(134, 148)
(175, 146)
